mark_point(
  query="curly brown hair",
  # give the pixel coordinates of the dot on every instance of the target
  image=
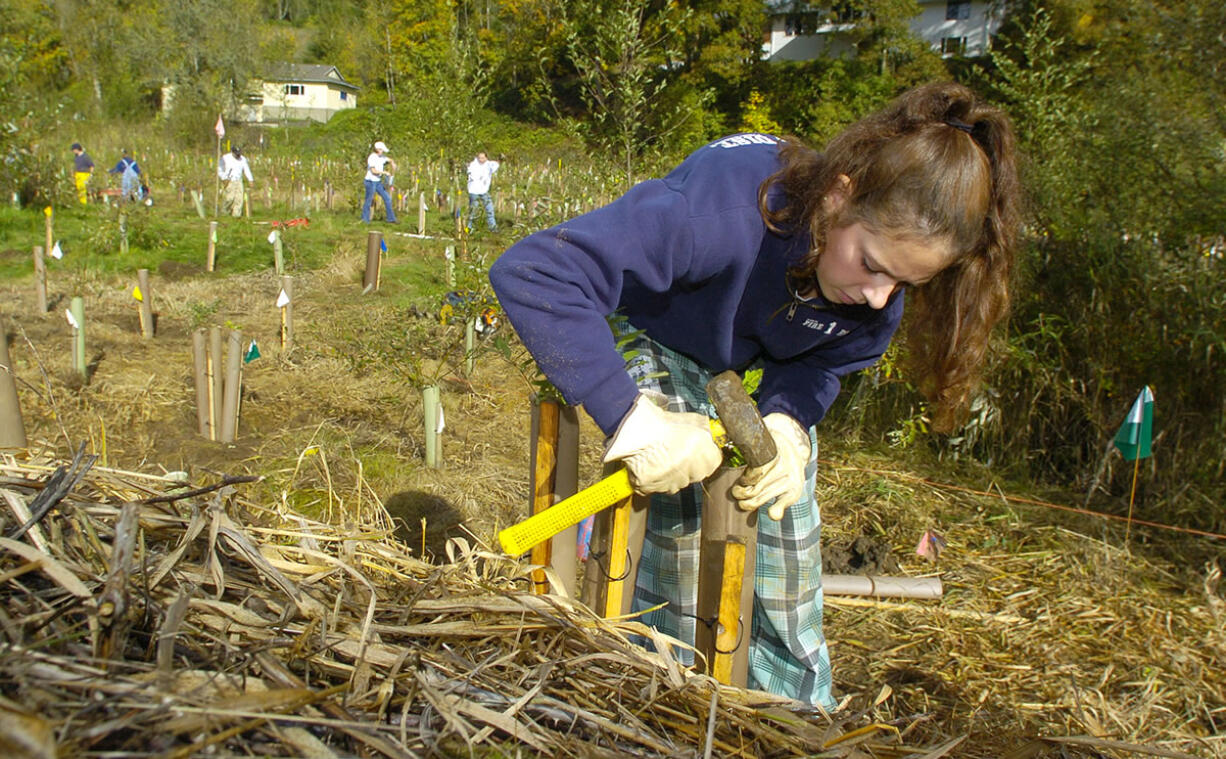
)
(937, 165)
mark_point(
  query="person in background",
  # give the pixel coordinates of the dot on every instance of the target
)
(376, 163)
(480, 174)
(82, 169)
(233, 170)
(129, 171)
(761, 252)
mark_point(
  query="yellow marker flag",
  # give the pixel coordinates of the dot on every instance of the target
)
(47, 211)
(136, 293)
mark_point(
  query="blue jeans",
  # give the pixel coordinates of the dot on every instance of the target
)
(371, 189)
(473, 201)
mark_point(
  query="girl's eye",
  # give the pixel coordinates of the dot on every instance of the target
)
(867, 266)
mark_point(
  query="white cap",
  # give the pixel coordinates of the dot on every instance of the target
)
(381, 146)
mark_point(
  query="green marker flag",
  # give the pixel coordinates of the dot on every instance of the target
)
(1134, 436)
(253, 352)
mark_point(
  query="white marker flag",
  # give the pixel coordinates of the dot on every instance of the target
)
(282, 300)
(56, 251)
(72, 320)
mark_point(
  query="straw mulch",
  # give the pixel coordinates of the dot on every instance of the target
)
(142, 617)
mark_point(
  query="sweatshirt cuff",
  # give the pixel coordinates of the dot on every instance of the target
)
(608, 405)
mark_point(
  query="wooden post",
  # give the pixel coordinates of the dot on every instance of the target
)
(201, 374)
(211, 260)
(78, 353)
(430, 412)
(40, 280)
(421, 214)
(278, 253)
(287, 315)
(12, 428)
(146, 303)
(123, 231)
(216, 380)
(233, 387)
(374, 245)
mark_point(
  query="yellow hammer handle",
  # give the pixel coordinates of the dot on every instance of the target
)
(538, 528)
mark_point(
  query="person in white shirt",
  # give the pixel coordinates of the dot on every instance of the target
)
(232, 170)
(376, 165)
(480, 174)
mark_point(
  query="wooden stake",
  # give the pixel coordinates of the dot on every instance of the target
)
(727, 556)
(370, 280)
(233, 387)
(78, 353)
(123, 231)
(12, 428)
(47, 212)
(146, 303)
(200, 372)
(216, 382)
(544, 469)
(211, 260)
(40, 280)
(287, 315)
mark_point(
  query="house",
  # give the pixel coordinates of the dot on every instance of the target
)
(802, 31)
(297, 92)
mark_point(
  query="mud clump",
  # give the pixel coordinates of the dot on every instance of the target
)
(863, 556)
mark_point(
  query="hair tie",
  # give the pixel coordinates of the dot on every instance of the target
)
(956, 124)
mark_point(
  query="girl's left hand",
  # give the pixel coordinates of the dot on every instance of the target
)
(782, 479)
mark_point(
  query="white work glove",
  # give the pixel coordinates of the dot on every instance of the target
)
(663, 450)
(783, 477)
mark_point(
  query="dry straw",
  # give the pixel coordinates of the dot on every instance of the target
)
(140, 617)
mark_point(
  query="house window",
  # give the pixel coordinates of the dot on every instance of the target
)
(295, 89)
(953, 45)
(344, 95)
(957, 10)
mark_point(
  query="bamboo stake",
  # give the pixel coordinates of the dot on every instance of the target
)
(233, 387)
(201, 374)
(146, 303)
(374, 245)
(40, 280)
(47, 212)
(211, 260)
(216, 379)
(287, 315)
(12, 428)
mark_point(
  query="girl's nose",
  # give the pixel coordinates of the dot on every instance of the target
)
(877, 294)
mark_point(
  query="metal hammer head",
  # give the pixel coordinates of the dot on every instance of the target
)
(741, 418)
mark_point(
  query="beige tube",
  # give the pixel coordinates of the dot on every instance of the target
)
(146, 303)
(201, 373)
(233, 387)
(882, 587)
(40, 280)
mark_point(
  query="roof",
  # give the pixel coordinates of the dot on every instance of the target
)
(320, 73)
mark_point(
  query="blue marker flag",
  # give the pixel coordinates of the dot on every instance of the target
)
(382, 244)
(1133, 439)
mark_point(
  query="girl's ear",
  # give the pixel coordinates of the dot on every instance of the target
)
(836, 199)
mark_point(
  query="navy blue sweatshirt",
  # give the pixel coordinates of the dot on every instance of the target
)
(689, 260)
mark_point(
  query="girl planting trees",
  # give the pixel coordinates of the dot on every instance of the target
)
(758, 251)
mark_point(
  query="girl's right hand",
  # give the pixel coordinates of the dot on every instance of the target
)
(664, 451)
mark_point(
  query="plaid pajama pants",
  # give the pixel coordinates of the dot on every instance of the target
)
(787, 654)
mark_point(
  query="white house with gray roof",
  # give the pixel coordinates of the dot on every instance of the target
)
(298, 92)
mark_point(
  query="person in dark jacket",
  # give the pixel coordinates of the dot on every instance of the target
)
(82, 170)
(760, 252)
